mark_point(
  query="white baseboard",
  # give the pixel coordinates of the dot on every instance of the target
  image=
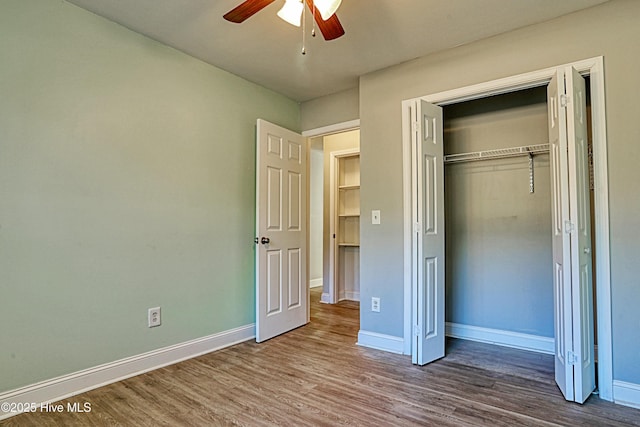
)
(350, 295)
(325, 298)
(627, 394)
(500, 337)
(78, 382)
(315, 283)
(381, 341)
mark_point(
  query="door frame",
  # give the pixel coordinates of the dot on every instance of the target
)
(593, 67)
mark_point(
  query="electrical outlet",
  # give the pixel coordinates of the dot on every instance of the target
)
(375, 304)
(154, 317)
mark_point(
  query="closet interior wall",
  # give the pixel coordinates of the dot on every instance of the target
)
(498, 234)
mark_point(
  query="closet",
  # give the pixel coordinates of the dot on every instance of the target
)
(348, 227)
(341, 217)
(499, 275)
(490, 264)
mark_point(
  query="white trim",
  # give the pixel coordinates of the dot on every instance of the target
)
(594, 67)
(73, 384)
(510, 84)
(407, 185)
(627, 394)
(315, 283)
(504, 338)
(326, 298)
(335, 128)
(603, 255)
(350, 295)
(380, 341)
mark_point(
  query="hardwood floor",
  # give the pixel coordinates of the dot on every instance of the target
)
(316, 375)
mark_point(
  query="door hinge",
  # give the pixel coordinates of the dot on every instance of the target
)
(415, 126)
(569, 227)
(416, 227)
(572, 358)
(564, 100)
(416, 330)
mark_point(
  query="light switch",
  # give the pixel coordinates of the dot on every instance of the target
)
(375, 217)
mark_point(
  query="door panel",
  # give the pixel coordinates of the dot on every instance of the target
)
(561, 242)
(295, 201)
(430, 295)
(430, 237)
(580, 211)
(295, 278)
(281, 291)
(274, 195)
(274, 281)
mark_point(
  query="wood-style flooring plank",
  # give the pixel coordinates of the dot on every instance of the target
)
(317, 376)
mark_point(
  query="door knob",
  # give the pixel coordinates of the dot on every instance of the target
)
(264, 240)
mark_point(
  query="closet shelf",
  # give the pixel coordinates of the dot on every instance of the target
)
(499, 153)
(349, 187)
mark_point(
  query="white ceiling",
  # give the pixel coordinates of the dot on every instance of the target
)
(379, 33)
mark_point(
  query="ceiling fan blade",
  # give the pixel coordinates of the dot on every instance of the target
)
(246, 10)
(331, 28)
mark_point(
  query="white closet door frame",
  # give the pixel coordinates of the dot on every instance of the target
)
(593, 67)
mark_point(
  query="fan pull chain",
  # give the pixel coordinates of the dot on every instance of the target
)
(304, 22)
(313, 11)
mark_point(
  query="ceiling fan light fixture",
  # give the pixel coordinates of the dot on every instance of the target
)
(327, 7)
(292, 12)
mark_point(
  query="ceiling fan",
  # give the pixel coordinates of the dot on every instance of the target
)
(323, 12)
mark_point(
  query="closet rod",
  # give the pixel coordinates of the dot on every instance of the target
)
(499, 153)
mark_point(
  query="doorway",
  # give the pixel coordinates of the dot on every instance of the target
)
(334, 154)
(282, 226)
(594, 68)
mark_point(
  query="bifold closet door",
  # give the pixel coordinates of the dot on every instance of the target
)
(581, 260)
(572, 277)
(429, 242)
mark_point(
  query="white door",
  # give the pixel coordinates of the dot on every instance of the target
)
(573, 298)
(581, 261)
(281, 271)
(429, 234)
(561, 242)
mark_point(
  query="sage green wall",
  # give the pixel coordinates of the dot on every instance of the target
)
(126, 182)
(498, 234)
(610, 30)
